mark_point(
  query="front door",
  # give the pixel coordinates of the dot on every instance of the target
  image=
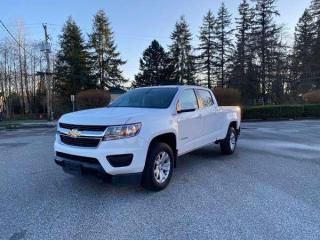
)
(189, 121)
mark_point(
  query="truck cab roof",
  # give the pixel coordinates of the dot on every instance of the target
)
(178, 86)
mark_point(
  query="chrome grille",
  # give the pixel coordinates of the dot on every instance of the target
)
(80, 141)
(97, 128)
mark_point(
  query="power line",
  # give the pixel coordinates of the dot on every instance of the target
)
(120, 34)
(13, 37)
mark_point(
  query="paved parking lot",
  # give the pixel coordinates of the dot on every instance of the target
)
(269, 189)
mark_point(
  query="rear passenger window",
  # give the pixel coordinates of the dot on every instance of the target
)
(204, 98)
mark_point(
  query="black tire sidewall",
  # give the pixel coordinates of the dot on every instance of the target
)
(149, 180)
(225, 144)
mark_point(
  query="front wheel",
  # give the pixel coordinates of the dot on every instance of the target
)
(228, 145)
(158, 168)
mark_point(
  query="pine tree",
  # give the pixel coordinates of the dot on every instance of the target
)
(207, 47)
(315, 13)
(106, 61)
(181, 54)
(154, 67)
(266, 34)
(72, 73)
(302, 51)
(280, 71)
(243, 53)
(243, 74)
(224, 44)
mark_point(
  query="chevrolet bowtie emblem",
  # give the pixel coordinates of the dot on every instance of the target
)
(74, 133)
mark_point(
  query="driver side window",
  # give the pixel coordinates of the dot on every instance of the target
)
(187, 100)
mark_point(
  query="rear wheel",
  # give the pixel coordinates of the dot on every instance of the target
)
(158, 168)
(228, 145)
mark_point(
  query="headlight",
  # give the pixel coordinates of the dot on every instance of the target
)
(122, 131)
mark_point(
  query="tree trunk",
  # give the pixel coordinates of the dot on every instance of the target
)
(26, 81)
(21, 83)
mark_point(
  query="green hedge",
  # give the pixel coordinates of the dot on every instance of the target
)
(312, 110)
(281, 111)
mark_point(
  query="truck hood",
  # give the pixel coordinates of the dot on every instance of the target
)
(106, 116)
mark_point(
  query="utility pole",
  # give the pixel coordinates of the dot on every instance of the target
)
(47, 75)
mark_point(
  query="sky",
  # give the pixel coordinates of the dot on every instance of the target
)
(135, 22)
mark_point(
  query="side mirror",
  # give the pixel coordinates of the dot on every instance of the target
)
(185, 108)
(111, 101)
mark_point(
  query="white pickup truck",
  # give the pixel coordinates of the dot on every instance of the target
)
(140, 135)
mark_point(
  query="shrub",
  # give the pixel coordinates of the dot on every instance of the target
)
(312, 97)
(273, 112)
(227, 96)
(281, 111)
(92, 98)
(61, 105)
(16, 104)
(312, 110)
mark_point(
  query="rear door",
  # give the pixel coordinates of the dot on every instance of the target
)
(189, 121)
(208, 113)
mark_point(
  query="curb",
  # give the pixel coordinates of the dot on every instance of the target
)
(279, 119)
(27, 126)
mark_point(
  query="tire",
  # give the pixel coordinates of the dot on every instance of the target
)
(228, 145)
(158, 168)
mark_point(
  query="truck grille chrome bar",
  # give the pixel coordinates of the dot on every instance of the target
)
(95, 128)
(80, 141)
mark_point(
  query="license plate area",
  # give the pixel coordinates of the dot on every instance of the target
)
(72, 168)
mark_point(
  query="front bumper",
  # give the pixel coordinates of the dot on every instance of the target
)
(135, 147)
(79, 168)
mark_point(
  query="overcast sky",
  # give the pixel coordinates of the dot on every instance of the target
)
(135, 22)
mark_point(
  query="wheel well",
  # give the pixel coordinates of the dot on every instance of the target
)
(168, 138)
(234, 125)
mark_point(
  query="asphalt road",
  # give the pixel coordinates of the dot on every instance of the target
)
(269, 189)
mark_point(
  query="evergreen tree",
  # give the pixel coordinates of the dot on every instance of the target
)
(280, 71)
(72, 73)
(224, 44)
(243, 53)
(181, 54)
(106, 61)
(315, 12)
(243, 61)
(302, 52)
(154, 67)
(266, 34)
(207, 47)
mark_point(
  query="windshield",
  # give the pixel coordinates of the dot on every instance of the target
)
(146, 98)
